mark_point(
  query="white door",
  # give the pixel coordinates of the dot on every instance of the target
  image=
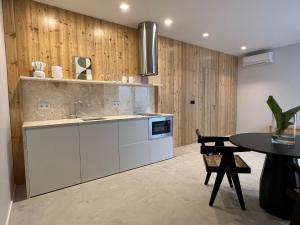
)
(99, 150)
(53, 158)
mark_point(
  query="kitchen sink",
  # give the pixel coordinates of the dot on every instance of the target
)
(93, 119)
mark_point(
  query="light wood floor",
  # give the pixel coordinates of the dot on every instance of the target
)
(165, 193)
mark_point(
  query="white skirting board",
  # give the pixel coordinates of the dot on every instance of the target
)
(10, 206)
(8, 213)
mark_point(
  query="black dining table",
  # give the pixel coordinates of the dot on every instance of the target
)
(276, 177)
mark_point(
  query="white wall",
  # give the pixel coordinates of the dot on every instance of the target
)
(280, 79)
(5, 138)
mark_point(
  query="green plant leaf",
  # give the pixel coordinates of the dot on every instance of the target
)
(282, 118)
(285, 122)
(287, 116)
(293, 111)
(276, 110)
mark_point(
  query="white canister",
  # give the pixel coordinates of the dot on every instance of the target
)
(39, 74)
(38, 67)
(130, 79)
(57, 72)
(124, 79)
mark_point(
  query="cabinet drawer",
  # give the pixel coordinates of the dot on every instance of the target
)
(133, 131)
(132, 156)
(161, 149)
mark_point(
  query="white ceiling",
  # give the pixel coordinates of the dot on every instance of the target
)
(258, 24)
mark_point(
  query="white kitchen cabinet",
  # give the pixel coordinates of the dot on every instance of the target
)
(53, 160)
(134, 155)
(133, 144)
(60, 156)
(99, 150)
(161, 149)
(133, 131)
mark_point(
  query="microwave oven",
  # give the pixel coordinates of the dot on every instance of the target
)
(160, 127)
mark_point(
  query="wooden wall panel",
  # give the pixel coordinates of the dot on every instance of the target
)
(191, 73)
(9, 21)
(35, 31)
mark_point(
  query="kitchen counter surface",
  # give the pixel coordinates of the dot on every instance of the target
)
(64, 122)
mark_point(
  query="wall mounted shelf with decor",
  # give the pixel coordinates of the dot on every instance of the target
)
(84, 81)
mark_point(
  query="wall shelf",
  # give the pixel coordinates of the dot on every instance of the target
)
(27, 78)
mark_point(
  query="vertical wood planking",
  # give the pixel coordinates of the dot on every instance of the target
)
(35, 31)
(188, 72)
(177, 92)
(11, 46)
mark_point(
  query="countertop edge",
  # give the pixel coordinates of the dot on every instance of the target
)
(79, 121)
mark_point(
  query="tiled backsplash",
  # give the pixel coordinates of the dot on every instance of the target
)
(97, 99)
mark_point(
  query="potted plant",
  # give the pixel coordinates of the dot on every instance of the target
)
(284, 120)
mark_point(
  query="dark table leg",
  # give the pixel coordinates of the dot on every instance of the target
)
(274, 181)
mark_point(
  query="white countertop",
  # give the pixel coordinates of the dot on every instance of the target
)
(63, 122)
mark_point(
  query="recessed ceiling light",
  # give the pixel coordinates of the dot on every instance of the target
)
(205, 35)
(124, 7)
(168, 22)
(243, 48)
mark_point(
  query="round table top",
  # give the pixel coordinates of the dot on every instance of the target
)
(261, 142)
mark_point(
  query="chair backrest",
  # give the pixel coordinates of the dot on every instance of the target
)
(200, 139)
(219, 141)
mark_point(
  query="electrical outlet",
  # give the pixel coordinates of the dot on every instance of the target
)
(43, 105)
(115, 104)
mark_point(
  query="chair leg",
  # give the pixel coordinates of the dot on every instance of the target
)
(237, 185)
(229, 179)
(217, 184)
(207, 178)
(295, 220)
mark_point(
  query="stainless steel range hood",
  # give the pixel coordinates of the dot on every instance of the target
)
(148, 49)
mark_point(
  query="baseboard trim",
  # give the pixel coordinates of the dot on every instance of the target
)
(10, 206)
(8, 213)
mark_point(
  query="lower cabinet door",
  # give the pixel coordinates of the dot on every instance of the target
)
(161, 149)
(53, 160)
(99, 150)
(134, 155)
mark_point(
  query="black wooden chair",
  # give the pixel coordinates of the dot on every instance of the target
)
(221, 159)
(295, 195)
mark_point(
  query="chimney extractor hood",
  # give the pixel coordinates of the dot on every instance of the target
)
(148, 54)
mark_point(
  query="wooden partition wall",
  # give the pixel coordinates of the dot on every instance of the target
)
(34, 31)
(190, 73)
